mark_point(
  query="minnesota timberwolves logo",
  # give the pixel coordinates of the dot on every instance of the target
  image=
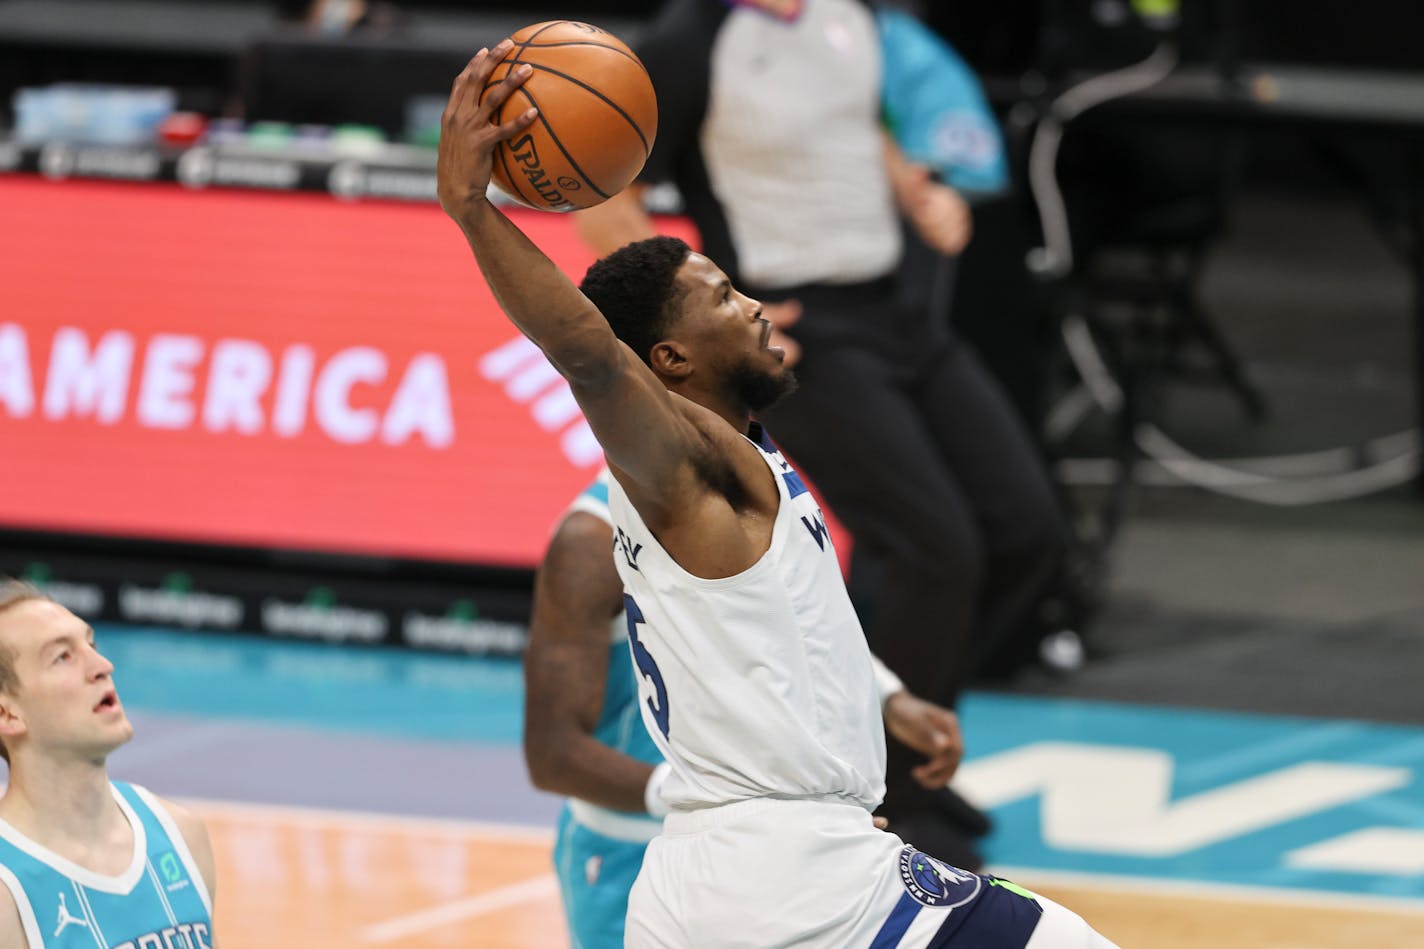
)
(934, 882)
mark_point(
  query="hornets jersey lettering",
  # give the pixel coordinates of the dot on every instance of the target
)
(159, 902)
(759, 684)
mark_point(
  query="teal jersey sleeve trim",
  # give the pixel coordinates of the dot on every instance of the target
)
(594, 499)
(598, 490)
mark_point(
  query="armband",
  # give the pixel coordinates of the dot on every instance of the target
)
(653, 791)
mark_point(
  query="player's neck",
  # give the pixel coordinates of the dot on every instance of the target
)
(54, 802)
(734, 412)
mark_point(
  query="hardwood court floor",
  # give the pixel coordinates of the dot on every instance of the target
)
(309, 879)
(1135, 919)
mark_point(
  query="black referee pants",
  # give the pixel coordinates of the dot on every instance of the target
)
(919, 452)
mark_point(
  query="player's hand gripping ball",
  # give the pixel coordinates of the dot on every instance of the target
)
(597, 117)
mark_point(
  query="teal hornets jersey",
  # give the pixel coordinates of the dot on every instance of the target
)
(159, 902)
(620, 724)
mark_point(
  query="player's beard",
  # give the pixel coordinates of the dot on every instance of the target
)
(757, 388)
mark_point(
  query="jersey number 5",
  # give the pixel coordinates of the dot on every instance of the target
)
(647, 667)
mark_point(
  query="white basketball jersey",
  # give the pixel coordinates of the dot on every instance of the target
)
(758, 684)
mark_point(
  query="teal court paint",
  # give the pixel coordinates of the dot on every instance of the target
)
(1155, 793)
(1210, 797)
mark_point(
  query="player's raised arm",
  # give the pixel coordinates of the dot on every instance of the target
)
(630, 411)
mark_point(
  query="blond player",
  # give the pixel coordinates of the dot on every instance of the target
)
(84, 861)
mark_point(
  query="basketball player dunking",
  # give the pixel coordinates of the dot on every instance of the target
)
(756, 679)
(583, 736)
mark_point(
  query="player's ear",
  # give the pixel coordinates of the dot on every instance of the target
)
(670, 360)
(11, 722)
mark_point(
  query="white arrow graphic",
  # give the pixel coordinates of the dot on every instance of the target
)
(1114, 799)
(1394, 850)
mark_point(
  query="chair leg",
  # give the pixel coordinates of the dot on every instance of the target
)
(1110, 515)
(1227, 362)
(1192, 321)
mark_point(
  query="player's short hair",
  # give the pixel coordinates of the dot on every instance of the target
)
(636, 290)
(12, 593)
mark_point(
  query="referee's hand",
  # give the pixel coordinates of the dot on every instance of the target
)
(928, 728)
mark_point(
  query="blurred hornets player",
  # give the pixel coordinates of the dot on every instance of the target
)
(85, 862)
(583, 736)
(754, 675)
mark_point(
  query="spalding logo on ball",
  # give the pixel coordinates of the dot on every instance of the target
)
(597, 120)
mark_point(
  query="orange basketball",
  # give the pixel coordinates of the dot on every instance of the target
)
(597, 117)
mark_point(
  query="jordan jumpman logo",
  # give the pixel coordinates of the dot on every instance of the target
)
(66, 919)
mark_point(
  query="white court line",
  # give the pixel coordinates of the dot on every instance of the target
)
(1232, 892)
(321, 817)
(481, 904)
(1029, 876)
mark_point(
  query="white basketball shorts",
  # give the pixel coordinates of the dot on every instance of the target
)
(770, 873)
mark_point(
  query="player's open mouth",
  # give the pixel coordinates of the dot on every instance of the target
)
(109, 702)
